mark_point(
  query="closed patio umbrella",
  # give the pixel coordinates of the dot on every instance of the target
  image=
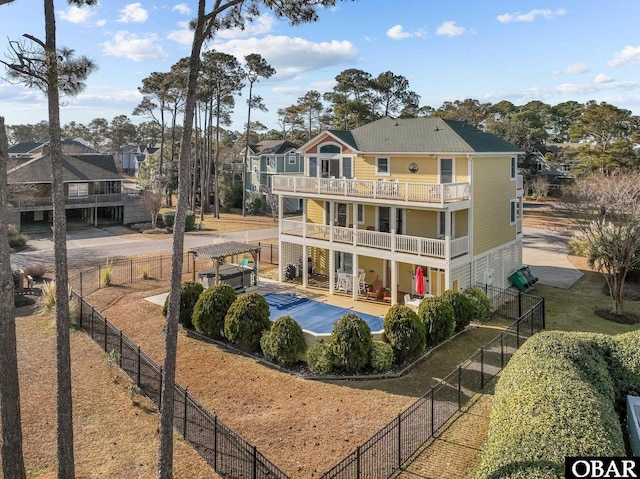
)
(419, 281)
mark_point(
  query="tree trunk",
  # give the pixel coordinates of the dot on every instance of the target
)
(216, 161)
(12, 460)
(63, 353)
(246, 153)
(165, 449)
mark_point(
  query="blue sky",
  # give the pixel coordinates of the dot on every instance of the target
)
(493, 50)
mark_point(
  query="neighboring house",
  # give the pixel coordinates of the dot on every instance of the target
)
(557, 161)
(29, 149)
(268, 159)
(142, 152)
(394, 195)
(92, 187)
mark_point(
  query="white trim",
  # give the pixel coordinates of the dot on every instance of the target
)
(292, 159)
(388, 172)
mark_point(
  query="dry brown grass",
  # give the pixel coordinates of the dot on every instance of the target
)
(115, 436)
(547, 215)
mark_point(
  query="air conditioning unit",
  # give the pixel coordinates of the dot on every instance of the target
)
(633, 423)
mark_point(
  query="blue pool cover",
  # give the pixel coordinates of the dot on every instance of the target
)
(313, 315)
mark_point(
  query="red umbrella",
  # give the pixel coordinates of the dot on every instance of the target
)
(419, 281)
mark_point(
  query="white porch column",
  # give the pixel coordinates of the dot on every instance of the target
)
(332, 271)
(392, 227)
(447, 250)
(394, 282)
(280, 266)
(354, 280)
(304, 217)
(305, 266)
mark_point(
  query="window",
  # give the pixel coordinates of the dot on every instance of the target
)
(446, 170)
(382, 166)
(512, 212)
(442, 218)
(291, 159)
(78, 189)
(514, 167)
(361, 214)
(313, 167)
(346, 167)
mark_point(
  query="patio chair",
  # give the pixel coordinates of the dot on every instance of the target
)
(245, 262)
(407, 298)
(376, 291)
(343, 282)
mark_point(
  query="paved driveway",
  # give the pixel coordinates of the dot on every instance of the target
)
(545, 252)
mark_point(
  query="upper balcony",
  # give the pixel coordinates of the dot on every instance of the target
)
(392, 190)
(46, 202)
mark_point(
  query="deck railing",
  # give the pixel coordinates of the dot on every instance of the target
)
(432, 193)
(89, 200)
(376, 239)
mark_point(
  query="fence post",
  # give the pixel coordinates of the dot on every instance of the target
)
(81, 305)
(99, 275)
(358, 454)
(131, 273)
(482, 367)
(184, 427)
(254, 475)
(543, 315)
(518, 334)
(161, 266)
(138, 372)
(121, 349)
(519, 304)
(530, 313)
(91, 324)
(399, 440)
(459, 387)
(271, 253)
(501, 350)
(215, 443)
(105, 334)
(432, 410)
(81, 295)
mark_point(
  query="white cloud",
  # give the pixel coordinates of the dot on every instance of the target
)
(75, 14)
(450, 29)
(574, 69)
(133, 13)
(129, 45)
(602, 78)
(291, 56)
(397, 32)
(531, 15)
(627, 55)
(182, 8)
(263, 24)
(184, 36)
(101, 23)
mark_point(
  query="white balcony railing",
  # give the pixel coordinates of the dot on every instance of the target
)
(89, 200)
(433, 193)
(376, 239)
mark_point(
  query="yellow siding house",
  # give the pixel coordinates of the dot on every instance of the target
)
(387, 198)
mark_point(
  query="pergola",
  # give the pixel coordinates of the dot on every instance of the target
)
(217, 253)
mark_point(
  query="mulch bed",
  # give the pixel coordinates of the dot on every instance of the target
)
(624, 318)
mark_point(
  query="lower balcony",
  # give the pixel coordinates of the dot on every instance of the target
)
(72, 201)
(419, 246)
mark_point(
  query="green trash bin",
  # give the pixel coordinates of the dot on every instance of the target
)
(519, 280)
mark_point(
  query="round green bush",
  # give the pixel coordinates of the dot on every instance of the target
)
(284, 343)
(211, 309)
(482, 304)
(381, 356)
(462, 308)
(190, 220)
(169, 218)
(351, 342)
(405, 332)
(190, 292)
(439, 319)
(246, 321)
(320, 359)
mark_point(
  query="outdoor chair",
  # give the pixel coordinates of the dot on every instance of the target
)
(376, 291)
(362, 286)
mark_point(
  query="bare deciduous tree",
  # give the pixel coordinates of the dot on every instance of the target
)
(152, 202)
(606, 212)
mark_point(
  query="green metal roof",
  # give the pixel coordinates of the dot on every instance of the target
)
(423, 135)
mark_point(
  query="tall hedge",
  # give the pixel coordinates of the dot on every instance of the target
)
(481, 303)
(211, 309)
(463, 308)
(351, 342)
(405, 332)
(246, 321)
(190, 292)
(284, 342)
(439, 319)
(555, 398)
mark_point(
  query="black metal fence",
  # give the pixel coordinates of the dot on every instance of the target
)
(223, 449)
(391, 447)
(268, 253)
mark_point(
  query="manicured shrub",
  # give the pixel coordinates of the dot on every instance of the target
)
(351, 342)
(405, 332)
(320, 359)
(380, 357)
(554, 399)
(190, 220)
(36, 271)
(462, 308)
(169, 218)
(482, 304)
(284, 342)
(190, 292)
(439, 319)
(211, 308)
(577, 246)
(18, 241)
(246, 321)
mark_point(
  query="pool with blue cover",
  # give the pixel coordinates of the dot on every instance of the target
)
(314, 316)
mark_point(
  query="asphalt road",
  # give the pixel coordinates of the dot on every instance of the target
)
(96, 244)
